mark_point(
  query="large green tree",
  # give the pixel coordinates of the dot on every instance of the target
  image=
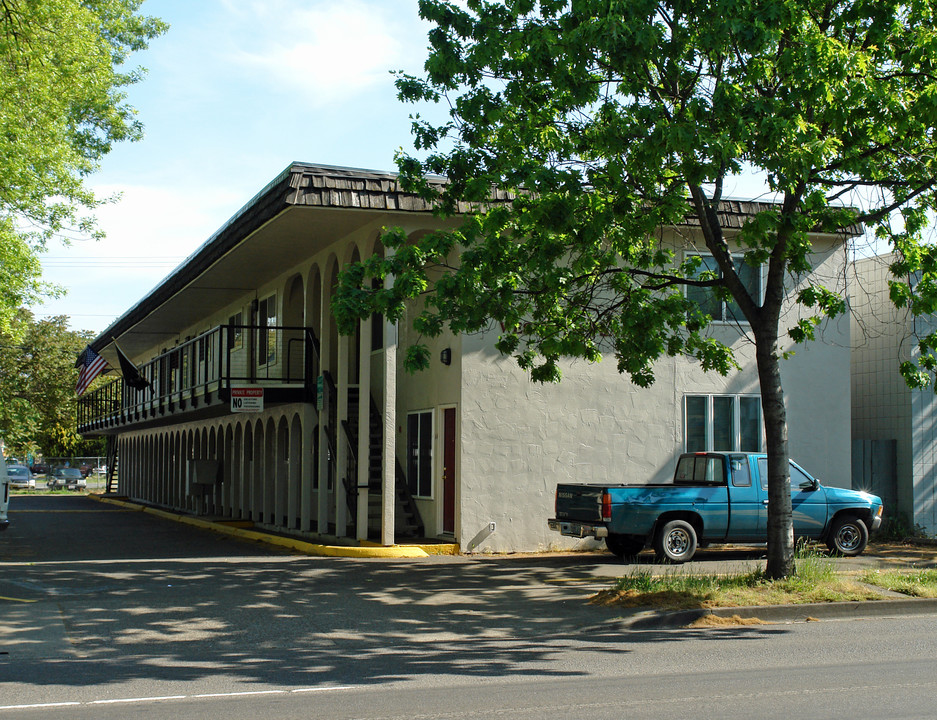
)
(62, 106)
(609, 119)
(38, 406)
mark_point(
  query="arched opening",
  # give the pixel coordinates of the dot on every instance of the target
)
(259, 469)
(226, 470)
(314, 312)
(282, 458)
(247, 473)
(295, 473)
(269, 455)
(294, 302)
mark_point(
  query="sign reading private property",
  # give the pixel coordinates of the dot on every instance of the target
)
(247, 398)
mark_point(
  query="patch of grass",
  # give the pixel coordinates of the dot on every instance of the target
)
(913, 582)
(815, 581)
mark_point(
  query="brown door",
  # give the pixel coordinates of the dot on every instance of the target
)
(448, 470)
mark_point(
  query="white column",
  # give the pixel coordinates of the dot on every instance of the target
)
(389, 455)
(322, 506)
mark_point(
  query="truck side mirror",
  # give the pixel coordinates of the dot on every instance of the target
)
(813, 484)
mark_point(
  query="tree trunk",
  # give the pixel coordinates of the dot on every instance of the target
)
(780, 518)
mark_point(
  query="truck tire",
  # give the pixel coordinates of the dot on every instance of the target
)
(848, 536)
(624, 546)
(675, 541)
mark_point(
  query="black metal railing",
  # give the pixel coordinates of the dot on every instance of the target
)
(199, 370)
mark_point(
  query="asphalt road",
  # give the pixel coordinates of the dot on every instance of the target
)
(107, 613)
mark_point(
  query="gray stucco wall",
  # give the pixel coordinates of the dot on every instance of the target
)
(519, 439)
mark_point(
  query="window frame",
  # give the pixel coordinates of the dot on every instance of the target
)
(236, 331)
(709, 430)
(421, 487)
(267, 333)
(726, 317)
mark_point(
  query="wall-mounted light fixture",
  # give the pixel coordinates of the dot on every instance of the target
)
(445, 357)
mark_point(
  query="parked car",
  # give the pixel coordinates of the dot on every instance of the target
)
(69, 478)
(39, 469)
(20, 477)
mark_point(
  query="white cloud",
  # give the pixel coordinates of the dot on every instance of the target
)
(331, 51)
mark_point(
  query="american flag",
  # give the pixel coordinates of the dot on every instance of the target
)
(90, 365)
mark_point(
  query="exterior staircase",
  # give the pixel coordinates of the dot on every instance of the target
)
(407, 520)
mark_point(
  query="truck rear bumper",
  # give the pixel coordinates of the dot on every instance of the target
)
(571, 528)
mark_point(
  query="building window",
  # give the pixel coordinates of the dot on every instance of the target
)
(235, 332)
(267, 338)
(723, 423)
(420, 453)
(724, 310)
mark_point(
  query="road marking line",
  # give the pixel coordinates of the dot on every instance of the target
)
(139, 699)
(2, 597)
(203, 696)
(240, 694)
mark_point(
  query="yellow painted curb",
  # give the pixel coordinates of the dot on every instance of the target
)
(308, 548)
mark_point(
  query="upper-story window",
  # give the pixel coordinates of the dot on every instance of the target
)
(267, 337)
(235, 332)
(725, 310)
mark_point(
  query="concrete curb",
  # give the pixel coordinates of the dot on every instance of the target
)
(302, 546)
(781, 614)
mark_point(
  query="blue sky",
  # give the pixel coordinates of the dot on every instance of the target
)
(236, 90)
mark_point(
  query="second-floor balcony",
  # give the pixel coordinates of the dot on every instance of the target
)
(196, 377)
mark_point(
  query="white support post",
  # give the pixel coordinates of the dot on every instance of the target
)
(389, 455)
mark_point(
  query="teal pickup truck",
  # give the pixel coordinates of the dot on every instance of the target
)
(714, 498)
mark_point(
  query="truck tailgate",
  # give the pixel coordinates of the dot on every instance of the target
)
(579, 502)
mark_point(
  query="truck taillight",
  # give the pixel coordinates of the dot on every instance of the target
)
(606, 506)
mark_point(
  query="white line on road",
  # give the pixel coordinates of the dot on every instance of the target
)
(39, 705)
(163, 698)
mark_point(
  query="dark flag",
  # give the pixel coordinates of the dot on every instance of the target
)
(132, 376)
(89, 365)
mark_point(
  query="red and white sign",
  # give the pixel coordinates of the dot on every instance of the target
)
(247, 398)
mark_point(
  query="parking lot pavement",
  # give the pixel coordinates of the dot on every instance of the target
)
(72, 527)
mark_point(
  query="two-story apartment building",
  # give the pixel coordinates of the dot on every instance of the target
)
(258, 410)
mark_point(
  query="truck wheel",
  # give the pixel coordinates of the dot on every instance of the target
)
(624, 546)
(848, 536)
(675, 541)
